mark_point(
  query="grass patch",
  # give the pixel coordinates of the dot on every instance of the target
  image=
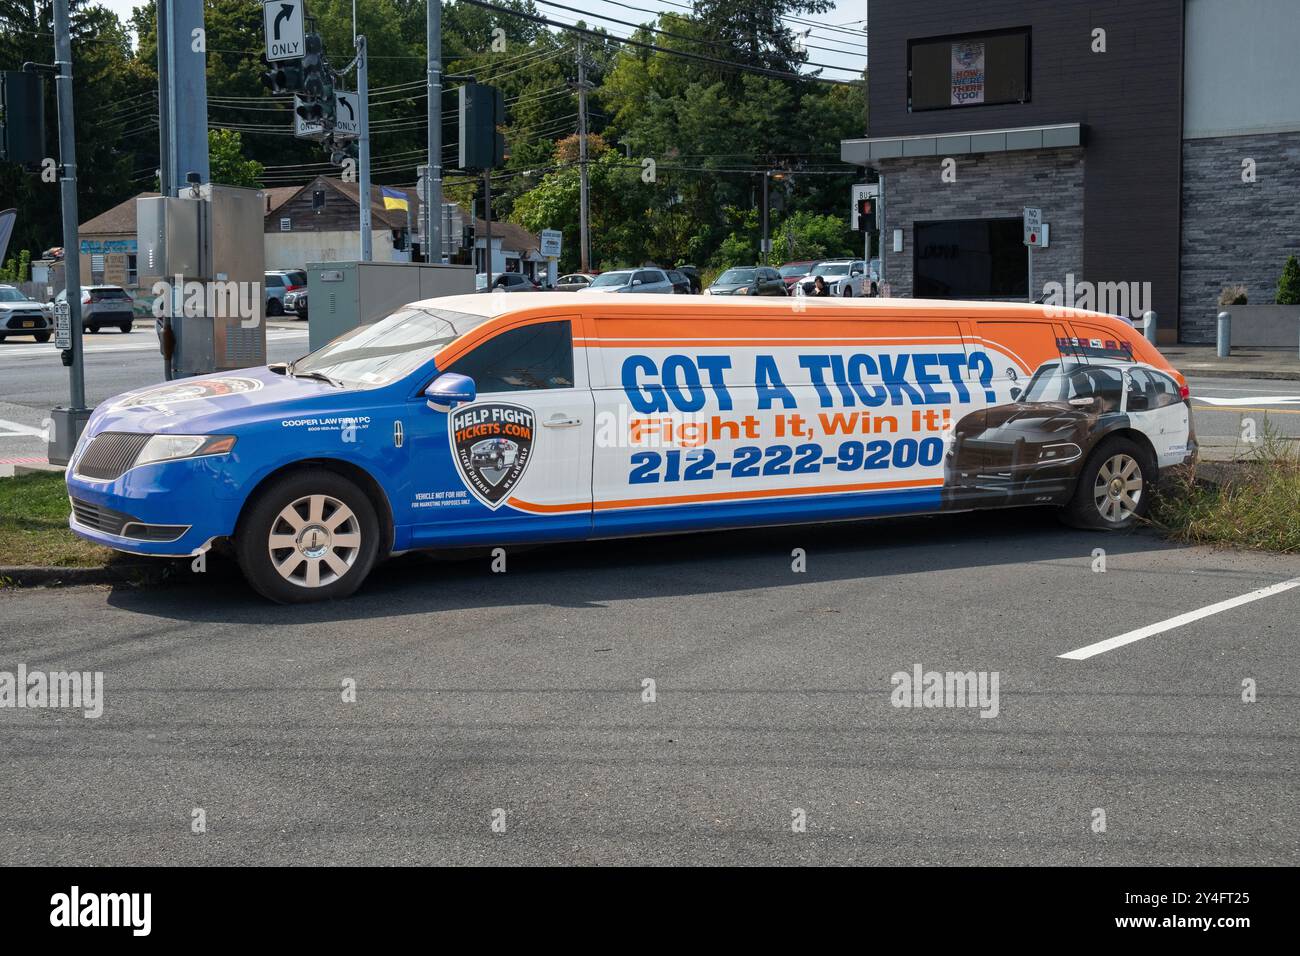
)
(1250, 504)
(34, 526)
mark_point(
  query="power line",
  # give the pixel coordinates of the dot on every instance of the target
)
(625, 41)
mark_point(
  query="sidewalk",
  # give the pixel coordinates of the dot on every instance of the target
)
(1201, 360)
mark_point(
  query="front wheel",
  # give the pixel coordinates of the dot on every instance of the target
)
(309, 536)
(1114, 489)
(125, 327)
(39, 336)
(273, 307)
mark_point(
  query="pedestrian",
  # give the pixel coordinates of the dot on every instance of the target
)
(819, 287)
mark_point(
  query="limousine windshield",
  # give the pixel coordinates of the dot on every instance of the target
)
(371, 356)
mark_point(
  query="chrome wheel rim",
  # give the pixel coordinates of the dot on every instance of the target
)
(1118, 489)
(314, 541)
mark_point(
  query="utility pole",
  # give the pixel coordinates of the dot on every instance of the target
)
(487, 225)
(363, 94)
(62, 443)
(584, 238)
(433, 197)
(763, 248)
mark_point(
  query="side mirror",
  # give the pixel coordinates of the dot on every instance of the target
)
(636, 281)
(1015, 394)
(449, 390)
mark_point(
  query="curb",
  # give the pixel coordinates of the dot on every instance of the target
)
(32, 577)
(1214, 371)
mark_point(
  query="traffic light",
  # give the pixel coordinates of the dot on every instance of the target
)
(22, 126)
(284, 76)
(482, 110)
(467, 236)
(867, 215)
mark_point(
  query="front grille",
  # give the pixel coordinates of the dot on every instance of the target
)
(98, 518)
(110, 454)
(16, 319)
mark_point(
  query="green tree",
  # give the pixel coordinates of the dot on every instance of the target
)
(229, 167)
(1288, 286)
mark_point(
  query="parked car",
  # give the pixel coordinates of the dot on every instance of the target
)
(748, 280)
(792, 272)
(103, 305)
(692, 274)
(296, 302)
(632, 280)
(277, 284)
(846, 277)
(681, 284)
(506, 282)
(20, 315)
(574, 281)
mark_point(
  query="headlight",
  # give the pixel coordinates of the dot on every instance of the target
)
(171, 447)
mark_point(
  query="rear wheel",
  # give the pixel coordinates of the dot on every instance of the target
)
(848, 293)
(1114, 489)
(93, 327)
(125, 326)
(309, 536)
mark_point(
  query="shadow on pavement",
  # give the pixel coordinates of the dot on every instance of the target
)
(588, 574)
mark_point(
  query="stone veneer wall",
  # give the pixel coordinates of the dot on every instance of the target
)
(1236, 233)
(988, 186)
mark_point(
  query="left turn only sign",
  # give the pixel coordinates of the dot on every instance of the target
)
(284, 29)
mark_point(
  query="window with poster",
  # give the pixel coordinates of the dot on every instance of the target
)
(974, 69)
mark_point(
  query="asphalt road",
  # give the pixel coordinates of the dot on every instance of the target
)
(33, 380)
(523, 692)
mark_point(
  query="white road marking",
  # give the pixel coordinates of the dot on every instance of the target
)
(131, 344)
(15, 430)
(1250, 400)
(1101, 647)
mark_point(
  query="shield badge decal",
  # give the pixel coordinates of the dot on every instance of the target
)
(492, 444)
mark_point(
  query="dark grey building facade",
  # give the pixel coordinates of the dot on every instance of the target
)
(1127, 123)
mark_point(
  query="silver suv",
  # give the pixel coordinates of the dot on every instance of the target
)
(632, 280)
(276, 283)
(103, 305)
(20, 315)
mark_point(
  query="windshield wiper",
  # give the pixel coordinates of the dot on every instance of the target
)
(320, 377)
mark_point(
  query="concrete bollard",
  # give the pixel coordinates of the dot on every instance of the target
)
(1225, 334)
(1149, 319)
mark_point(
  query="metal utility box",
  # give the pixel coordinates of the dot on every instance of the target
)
(206, 244)
(343, 295)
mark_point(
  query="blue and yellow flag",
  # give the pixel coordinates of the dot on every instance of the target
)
(393, 199)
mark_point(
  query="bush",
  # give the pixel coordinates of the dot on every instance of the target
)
(1288, 286)
(1232, 295)
(1254, 506)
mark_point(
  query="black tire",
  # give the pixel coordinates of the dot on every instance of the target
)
(273, 307)
(125, 327)
(93, 328)
(848, 293)
(1099, 502)
(39, 336)
(263, 517)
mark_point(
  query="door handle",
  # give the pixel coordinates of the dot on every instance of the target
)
(558, 422)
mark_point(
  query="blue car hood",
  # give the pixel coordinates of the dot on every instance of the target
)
(214, 403)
